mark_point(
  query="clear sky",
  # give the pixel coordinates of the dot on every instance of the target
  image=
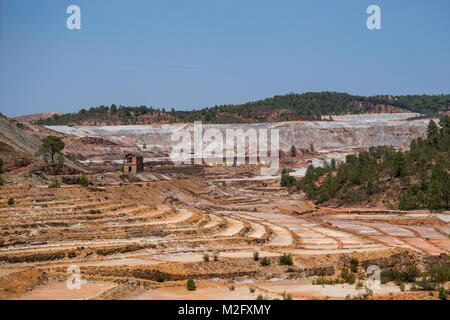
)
(198, 53)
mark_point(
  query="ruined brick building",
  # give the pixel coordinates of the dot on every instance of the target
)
(133, 163)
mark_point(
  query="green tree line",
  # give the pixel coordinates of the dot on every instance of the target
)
(292, 106)
(421, 172)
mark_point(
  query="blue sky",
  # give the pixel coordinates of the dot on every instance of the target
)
(198, 53)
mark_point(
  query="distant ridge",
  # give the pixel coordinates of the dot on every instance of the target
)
(289, 107)
(36, 117)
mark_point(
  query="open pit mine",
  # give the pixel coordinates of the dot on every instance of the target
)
(234, 233)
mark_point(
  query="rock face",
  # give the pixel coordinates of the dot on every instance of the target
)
(346, 132)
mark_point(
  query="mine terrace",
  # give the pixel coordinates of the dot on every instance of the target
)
(142, 227)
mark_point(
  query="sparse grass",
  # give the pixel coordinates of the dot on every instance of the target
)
(286, 260)
(360, 296)
(287, 296)
(190, 285)
(256, 256)
(329, 281)
(55, 184)
(265, 261)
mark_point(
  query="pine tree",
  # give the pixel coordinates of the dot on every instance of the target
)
(435, 196)
(432, 132)
(293, 151)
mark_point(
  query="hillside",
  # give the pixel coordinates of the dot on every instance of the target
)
(382, 177)
(290, 107)
(29, 118)
(18, 147)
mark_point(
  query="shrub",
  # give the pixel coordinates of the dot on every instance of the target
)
(409, 273)
(287, 296)
(1, 165)
(348, 276)
(265, 262)
(55, 183)
(252, 290)
(160, 277)
(216, 256)
(1, 181)
(402, 287)
(261, 297)
(286, 259)
(256, 256)
(11, 201)
(442, 294)
(231, 288)
(84, 181)
(359, 285)
(354, 263)
(330, 281)
(440, 273)
(190, 285)
(206, 257)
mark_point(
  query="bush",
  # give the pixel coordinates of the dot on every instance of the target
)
(190, 285)
(409, 273)
(1, 181)
(330, 281)
(424, 284)
(261, 297)
(287, 296)
(55, 183)
(265, 262)
(160, 277)
(206, 257)
(252, 290)
(442, 294)
(1, 165)
(11, 201)
(216, 256)
(286, 259)
(231, 288)
(255, 256)
(84, 181)
(440, 273)
(348, 276)
(354, 263)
